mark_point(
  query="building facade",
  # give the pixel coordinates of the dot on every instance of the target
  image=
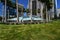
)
(58, 7)
(34, 6)
(52, 11)
(58, 12)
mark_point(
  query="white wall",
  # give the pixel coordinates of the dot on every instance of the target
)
(58, 12)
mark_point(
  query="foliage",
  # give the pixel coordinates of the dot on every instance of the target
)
(38, 10)
(11, 4)
(0, 18)
(48, 31)
(34, 11)
(27, 10)
(48, 3)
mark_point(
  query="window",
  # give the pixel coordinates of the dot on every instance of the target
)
(34, 7)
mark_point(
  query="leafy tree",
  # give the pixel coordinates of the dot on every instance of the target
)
(27, 10)
(34, 11)
(38, 10)
(0, 18)
(48, 3)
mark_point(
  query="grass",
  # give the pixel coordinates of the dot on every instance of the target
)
(48, 31)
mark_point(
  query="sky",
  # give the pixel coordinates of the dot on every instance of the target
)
(58, 3)
(25, 2)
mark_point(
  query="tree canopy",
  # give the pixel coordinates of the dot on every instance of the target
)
(48, 3)
(11, 4)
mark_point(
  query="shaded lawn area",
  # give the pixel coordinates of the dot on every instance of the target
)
(48, 31)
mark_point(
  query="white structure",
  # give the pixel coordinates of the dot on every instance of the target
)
(58, 12)
(35, 6)
(58, 9)
(52, 11)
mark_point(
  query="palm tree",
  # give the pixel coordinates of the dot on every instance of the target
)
(48, 7)
(27, 10)
(15, 6)
(3, 14)
(42, 3)
(55, 14)
(12, 5)
(42, 6)
(8, 14)
(34, 11)
(5, 6)
(30, 7)
(21, 9)
(38, 10)
(46, 15)
(17, 11)
(5, 10)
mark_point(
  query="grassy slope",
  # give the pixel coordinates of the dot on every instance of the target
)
(48, 31)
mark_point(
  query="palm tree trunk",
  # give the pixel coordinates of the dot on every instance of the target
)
(17, 11)
(49, 15)
(3, 14)
(41, 11)
(22, 15)
(55, 13)
(5, 10)
(37, 7)
(46, 15)
(8, 14)
(30, 6)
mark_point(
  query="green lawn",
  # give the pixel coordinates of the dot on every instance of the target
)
(48, 31)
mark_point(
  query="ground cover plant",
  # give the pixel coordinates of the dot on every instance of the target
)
(46, 31)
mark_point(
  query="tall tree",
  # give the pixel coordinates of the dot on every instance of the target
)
(5, 10)
(2, 13)
(48, 6)
(17, 11)
(55, 13)
(11, 5)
